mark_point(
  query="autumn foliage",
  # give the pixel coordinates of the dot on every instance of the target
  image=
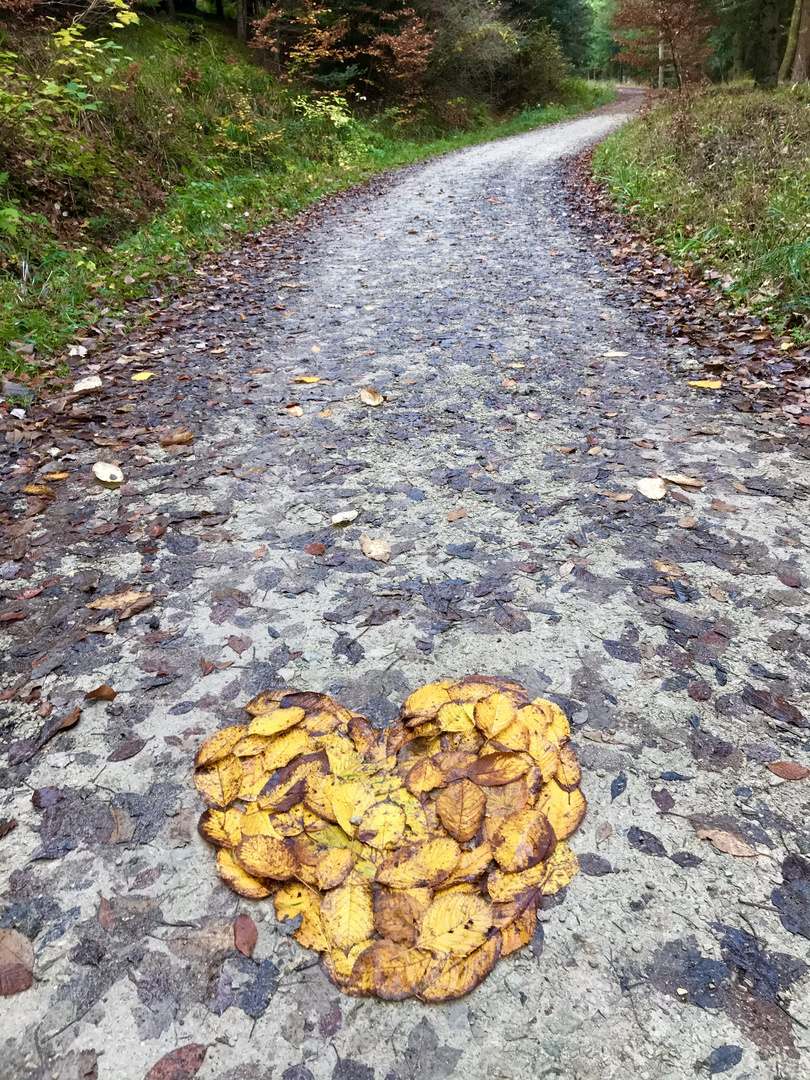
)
(681, 26)
(412, 859)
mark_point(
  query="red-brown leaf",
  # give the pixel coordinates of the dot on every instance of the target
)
(239, 644)
(788, 770)
(106, 919)
(101, 693)
(180, 1064)
(245, 934)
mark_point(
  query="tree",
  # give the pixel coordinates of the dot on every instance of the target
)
(796, 61)
(680, 26)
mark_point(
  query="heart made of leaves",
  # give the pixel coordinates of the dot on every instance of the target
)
(413, 859)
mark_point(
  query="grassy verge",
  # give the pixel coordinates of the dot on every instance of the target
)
(191, 144)
(723, 179)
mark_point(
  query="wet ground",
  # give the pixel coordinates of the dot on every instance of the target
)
(524, 400)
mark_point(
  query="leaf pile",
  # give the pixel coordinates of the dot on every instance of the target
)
(414, 858)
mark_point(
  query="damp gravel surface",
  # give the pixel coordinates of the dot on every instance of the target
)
(523, 401)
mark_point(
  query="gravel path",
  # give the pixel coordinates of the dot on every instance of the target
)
(519, 388)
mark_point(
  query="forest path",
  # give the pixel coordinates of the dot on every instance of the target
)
(519, 387)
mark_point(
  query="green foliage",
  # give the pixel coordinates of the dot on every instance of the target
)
(724, 179)
(190, 142)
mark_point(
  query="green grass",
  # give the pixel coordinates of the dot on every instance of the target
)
(723, 179)
(202, 146)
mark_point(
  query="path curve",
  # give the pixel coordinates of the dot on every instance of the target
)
(520, 387)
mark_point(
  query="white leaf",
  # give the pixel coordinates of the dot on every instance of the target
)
(652, 487)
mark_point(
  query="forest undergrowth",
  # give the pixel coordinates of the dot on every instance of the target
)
(721, 178)
(124, 161)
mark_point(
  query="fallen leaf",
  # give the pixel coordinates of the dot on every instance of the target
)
(245, 934)
(177, 438)
(108, 474)
(143, 376)
(564, 449)
(180, 1064)
(122, 601)
(324, 413)
(706, 384)
(728, 843)
(239, 644)
(307, 379)
(207, 666)
(682, 480)
(294, 409)
(378, 550)
(724, 507)
(718, 595)
(101, 693)
(457, 515)
(16, 963)
(617, 496)
(652, 487)
(370, 396)
(788, 770)
(688, 522)
(315, 549)
(106, 919)
(7, 825)
(83, 386)
(345, 517)
(614, 353)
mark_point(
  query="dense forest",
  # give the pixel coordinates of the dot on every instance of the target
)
(134, 135)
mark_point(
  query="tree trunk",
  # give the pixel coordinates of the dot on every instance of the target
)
(768, 66)
(241, 19)
(792, 41)
(801, 62)
(220, 9)
(170, 9)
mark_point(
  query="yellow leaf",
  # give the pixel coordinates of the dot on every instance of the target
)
(219, 745)
(461, 807)
(295, 899)
(241, 882)
(569, 772)
(564, 809)
(307, 379)
(382, 826)
(452, 717)
(426, 701)
(278, 720)
(350, 800)
(456, 923)
(494, 714)
(706, 384)
(422, 864)
(449, 979)
(523, 840)
(142, 376)
(266, 857)
(333, 867)
(219, 782)
(347, 913)
(389, 970)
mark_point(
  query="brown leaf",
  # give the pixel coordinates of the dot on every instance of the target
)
(378, 550)
(7, 825)
(180, 1064)
(245, 934)
(788, 770)
(728, 843)
(461, 807)
(16, 963)
(106, 919)
(177, 438)
(315, 549)
(128, 749)
(370, 396)
(101, 693)
(724, 507)
(207, 666)
(239, 644)
(120, 601)
(457, 515)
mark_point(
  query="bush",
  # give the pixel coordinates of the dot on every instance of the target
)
(724, 178)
